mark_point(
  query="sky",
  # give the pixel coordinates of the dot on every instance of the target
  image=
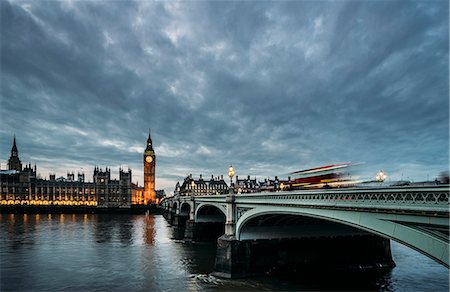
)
(269, 87)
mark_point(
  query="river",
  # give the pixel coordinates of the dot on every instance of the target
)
(101, 252)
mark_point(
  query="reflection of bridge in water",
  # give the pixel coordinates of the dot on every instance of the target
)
(339, 228)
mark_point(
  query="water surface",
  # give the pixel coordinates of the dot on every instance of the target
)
(98, 252)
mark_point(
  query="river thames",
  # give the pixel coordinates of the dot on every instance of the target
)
(98, 252)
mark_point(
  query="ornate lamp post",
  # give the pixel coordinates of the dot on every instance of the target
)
(231, 174)
(381, 177)
(230, 222)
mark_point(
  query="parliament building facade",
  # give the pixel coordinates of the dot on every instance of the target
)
(20, 185)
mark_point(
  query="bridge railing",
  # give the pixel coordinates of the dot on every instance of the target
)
(422, 199)
(432, 199)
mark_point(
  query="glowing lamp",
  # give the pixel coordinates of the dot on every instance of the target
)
(381, 176)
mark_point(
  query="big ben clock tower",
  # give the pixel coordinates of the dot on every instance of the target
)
(149, 173)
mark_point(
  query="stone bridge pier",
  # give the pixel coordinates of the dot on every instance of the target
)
(190, 232)
(175, 213)
(169, 211)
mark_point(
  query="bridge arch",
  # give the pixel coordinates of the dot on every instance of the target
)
(206, 212)
(286, 225)
(382, 224)
(209, 221)
(185, 209)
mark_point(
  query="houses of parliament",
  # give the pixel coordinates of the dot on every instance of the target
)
(20, 185)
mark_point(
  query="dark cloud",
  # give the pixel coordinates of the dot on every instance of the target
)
(270, 87)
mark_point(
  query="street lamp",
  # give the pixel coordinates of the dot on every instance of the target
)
(381, 176)
(192, 187)
(231, 173)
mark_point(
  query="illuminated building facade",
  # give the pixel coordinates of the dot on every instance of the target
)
(149, 173)
(201, 187)
(21, 186)
(137, 194)
(217, 186)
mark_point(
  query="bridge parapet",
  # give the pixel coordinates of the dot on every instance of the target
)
(434, 199)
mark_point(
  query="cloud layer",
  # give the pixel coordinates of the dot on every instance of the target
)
(270, 87)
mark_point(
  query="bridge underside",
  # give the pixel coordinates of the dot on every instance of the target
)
(242, 258)
(275, 226)
(427, 234)
(281, 243)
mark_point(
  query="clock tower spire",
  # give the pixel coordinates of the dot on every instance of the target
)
(149, 172)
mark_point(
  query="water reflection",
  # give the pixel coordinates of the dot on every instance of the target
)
(20, 234)
(149, 230)
(122, 228)
(103, 228)
(125, 233)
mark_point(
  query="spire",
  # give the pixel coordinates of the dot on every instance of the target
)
(149, 139)
(14, 147)
(14, 161)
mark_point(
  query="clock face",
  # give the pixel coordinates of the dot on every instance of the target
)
(149, 159)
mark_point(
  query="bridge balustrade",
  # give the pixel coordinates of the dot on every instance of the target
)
(432, 200)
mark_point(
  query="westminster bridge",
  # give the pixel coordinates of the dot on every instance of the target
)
(307, 229)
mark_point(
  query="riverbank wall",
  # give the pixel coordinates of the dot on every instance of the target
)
(134, 209)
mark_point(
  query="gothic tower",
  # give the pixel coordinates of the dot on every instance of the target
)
(149, 173)
(14, 161)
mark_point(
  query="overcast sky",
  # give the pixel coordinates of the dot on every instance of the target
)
(270, 87)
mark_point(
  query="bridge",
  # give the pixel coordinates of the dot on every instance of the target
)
(344, 228)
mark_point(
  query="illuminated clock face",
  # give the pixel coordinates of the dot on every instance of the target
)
(149, 159)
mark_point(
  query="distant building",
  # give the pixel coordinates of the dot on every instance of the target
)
(21, 186)
(137, 195)
(146, 194)
(149, 173)
(246, 185)
(270, 185)
(217, 186)
(201, 187)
